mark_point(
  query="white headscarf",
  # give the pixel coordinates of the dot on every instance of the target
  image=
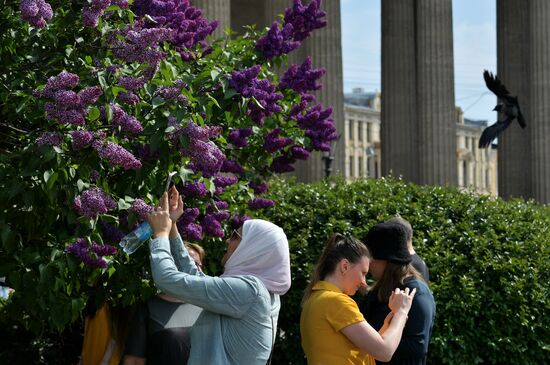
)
(263, 252)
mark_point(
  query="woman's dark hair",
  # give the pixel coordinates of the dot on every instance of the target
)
(393, 277)
(337, 248)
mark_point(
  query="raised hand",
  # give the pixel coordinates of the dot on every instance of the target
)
(175, 204)
(160, 219)
(401, 300)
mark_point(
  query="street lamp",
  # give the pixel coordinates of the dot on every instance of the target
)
(327, 158)
(371, 153)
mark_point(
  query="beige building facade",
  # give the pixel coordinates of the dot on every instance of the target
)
(476, 168)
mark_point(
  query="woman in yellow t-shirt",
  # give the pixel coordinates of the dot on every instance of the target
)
(333, 329)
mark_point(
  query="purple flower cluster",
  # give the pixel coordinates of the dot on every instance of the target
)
(189, 26)
(299, 22)
(238, 220)
(239, 137)
(259, 188)
(116, 155)
(302, 78)
(232, 167)
(319, 127)
(277, 41)
(92, 12)
(110, 232)
(191, 231)
(93, 202)
(141, 209)
(36, 12)
(131, 84)
(140, 44)
(126, 122)
(205, 155)
(211, 223)
(195, 190)
(260, 203)
(285, 162)
(68, 107)
(81, 139)
(224, 181)
(305, 19)
(144, 153)
(263, 91)
(49, 139)
(172, 93)
(91, 255)
(272, 141)
(218, 205)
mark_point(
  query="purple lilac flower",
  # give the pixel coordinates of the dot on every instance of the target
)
(195, 190)
(89, 95)
(211, 223)
(232, 166)
(140, 44)
(191, 231)
(318, 126)
(93, 202)
(110, 232)
(239, 137)
(305, 19)
(299, 153)
(237, 221)
(260, 203)
(277, 41)
(66, 99)
(91, 255)
(126, 122)
(225, 180)
(260, 188)
(131, 83)
(128, 98)
(189, 215)
(303, 78)
(190, 28)
(282, 164)
(92, 12)
(273, 143)
(81, 139)
(172, 92)
(49, 139)
(116, 155)
(141, 209)
(36, 12)
(65, 80)
(246, 83)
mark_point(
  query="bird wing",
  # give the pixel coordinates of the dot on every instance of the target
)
(492, 132)
(494, 84)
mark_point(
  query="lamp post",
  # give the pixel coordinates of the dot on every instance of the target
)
(371, 153)
(328, 158)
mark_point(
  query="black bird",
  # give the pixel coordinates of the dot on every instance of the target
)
(507, 105)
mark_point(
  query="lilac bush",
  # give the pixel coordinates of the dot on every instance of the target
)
(116, 95)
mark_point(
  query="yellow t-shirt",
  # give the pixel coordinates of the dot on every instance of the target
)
(97, 334)
(325, 313)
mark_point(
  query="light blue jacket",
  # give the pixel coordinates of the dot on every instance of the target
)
(239, 318)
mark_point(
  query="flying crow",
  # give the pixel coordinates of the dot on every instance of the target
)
(507, 105)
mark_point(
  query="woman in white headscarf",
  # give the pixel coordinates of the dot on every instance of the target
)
(241, 308)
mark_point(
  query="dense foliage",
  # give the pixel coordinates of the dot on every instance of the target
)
(99, 101)
(489, 263)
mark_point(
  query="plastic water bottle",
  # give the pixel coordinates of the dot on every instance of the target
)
(133, 240)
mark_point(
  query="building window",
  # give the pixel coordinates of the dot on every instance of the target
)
(360, 131)
(465, 173)
(351, 127)
(369, 137)
(350, 166)
(361, 168)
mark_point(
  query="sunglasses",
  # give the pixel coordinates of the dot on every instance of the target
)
(235, 235)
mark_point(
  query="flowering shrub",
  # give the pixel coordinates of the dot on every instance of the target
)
(102, 99)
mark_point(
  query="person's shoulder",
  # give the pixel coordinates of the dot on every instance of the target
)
(420, 285)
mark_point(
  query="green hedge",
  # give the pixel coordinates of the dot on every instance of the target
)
(489, 263)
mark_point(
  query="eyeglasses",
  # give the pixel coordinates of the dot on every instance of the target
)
(235, 235)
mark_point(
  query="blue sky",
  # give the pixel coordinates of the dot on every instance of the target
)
(474, 28)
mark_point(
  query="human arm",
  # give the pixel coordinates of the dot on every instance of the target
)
(381, 345)
(416, 335)
(231, 296)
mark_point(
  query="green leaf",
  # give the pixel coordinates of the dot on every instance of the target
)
(123, 205)
(214, 74)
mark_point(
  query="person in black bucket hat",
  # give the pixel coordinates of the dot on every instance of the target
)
(391, 267)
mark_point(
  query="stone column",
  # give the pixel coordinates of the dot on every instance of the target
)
(216, 10)
(399, 127)
(539, 106)
(435, 93)
(514, 153)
